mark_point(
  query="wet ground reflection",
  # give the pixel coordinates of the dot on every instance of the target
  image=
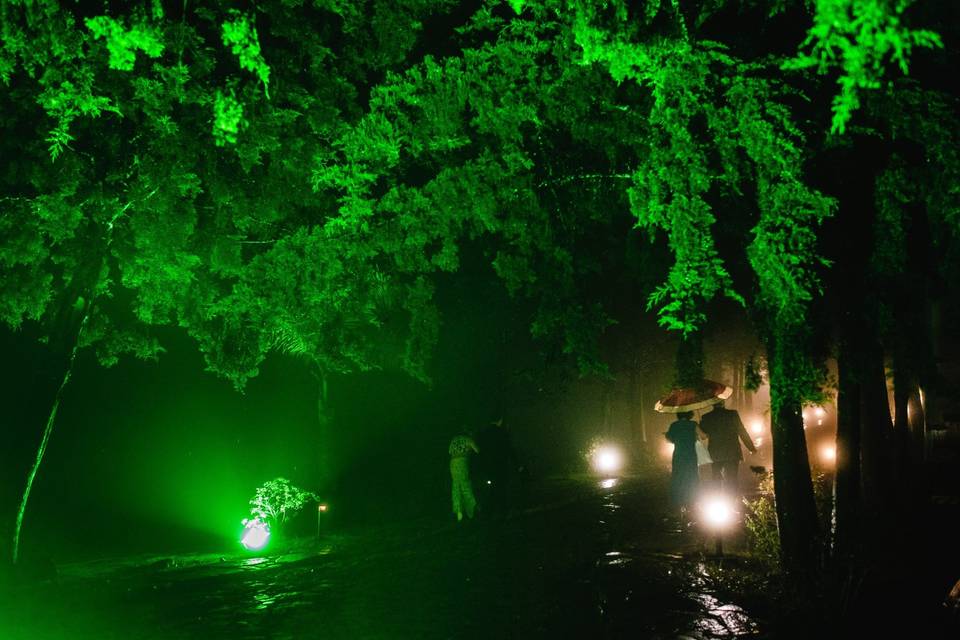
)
(585, 558)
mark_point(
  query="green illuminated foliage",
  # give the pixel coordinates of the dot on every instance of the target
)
(122, 43)
(278, 500)
(860, 38)
(241, 36)
(227, 118)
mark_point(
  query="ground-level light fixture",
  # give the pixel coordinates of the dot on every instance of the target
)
(718, 515)
(256, 534)
(322, 510)
(607, 459)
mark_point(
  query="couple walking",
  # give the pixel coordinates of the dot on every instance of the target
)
(724, 431)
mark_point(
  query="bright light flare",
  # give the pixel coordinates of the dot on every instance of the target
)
(757, 427)
(609, 483)
(322, 507)
(667, 450)
(718, 512)
(828, 453)
(758, 442)
(607, 459)
(819, 412)
(256, 534)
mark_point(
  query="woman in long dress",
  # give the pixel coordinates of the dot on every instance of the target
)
(685, 475)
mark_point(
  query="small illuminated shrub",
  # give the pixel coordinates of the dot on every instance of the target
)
(277, 501)
(760, 519)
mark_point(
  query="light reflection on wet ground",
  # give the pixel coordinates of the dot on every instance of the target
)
(587, 558)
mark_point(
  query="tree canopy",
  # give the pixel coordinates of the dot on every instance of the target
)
(292, 175)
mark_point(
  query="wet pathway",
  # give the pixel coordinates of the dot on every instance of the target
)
(583, 559)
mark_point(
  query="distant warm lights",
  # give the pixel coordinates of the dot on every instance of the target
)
(609, 483)
(758, 442)
(607, 459)
(256, 534)
(819, 412)
(667, 449)
(757, 427)
(322, 507)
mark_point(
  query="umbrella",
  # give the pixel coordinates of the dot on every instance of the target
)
(702, 395)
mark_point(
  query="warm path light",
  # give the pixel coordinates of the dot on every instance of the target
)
(717, 512)
(828, 453)
(255, 535)
(607, 459)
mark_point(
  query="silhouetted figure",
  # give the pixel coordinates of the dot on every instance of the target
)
(684, 472)
(462, 491)
(725, 430)
(497, 467)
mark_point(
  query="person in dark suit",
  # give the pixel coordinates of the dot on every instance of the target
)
(726, 431)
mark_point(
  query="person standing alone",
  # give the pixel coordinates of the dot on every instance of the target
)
(725, 430)
(462, 492)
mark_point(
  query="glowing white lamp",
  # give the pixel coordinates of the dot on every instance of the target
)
(607, 459)
(718, 512)
(828, 453)
(256, 534)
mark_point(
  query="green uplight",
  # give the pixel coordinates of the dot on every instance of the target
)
(256, 534)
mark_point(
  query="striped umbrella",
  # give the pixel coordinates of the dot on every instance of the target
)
(702, 395)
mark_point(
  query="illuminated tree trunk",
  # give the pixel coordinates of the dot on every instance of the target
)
(47, 430)
(323, 422)
(793, 488)
(689, 365)
(902, 389)
(93, 277)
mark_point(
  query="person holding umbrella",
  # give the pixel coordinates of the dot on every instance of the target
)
(684, 476)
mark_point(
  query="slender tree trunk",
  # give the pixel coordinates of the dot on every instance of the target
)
(847, 478)
(902, 389)
(632, 409)
(876, 438)
(643, 414)
(45, 439)
(92, 276)
(323, 423)
(793, 488)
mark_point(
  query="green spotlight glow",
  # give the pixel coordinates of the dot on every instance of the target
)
(256, 534)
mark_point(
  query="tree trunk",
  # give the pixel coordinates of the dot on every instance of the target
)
(643, 414)
(45, 439)
(847, 478)
(876, 440)
(903, 387)
(793, 488)
(323, 424)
